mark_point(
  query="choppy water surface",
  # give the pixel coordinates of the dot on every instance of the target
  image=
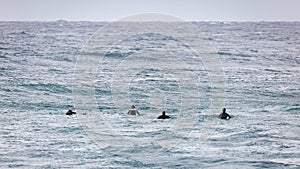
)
(261, 72)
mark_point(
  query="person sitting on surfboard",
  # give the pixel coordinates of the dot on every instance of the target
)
(70, 112)
(224, 115)
(163, 116)
(133, 111)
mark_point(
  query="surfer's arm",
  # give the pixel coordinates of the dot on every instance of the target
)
(228, 116)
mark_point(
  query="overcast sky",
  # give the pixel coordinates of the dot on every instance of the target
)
(111, 10)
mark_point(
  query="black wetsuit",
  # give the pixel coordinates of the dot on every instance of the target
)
(163, 117)
(70, 113)
(224, 116)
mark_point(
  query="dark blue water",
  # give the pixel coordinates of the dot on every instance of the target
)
(261, 64)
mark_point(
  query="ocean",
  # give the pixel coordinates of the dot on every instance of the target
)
(100, 69)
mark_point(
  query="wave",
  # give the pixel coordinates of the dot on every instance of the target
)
(47, 87)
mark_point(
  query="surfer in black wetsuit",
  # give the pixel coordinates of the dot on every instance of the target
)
(70, 112)
(163, 116)
(224, 115)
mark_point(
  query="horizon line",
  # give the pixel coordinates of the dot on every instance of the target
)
(66, 20)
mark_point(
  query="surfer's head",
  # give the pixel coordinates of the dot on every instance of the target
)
(133, 106)
(224, 110)
(163, 112)
(70, 110)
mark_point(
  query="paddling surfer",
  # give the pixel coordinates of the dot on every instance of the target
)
(224, 115)
(163, 116)
(133, 111)
(70, 112)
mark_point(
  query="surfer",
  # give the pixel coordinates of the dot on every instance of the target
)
(133, 111)
(224, 115)
(70, 112)
(163, 116)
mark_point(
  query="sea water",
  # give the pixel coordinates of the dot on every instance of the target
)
(261, 76)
